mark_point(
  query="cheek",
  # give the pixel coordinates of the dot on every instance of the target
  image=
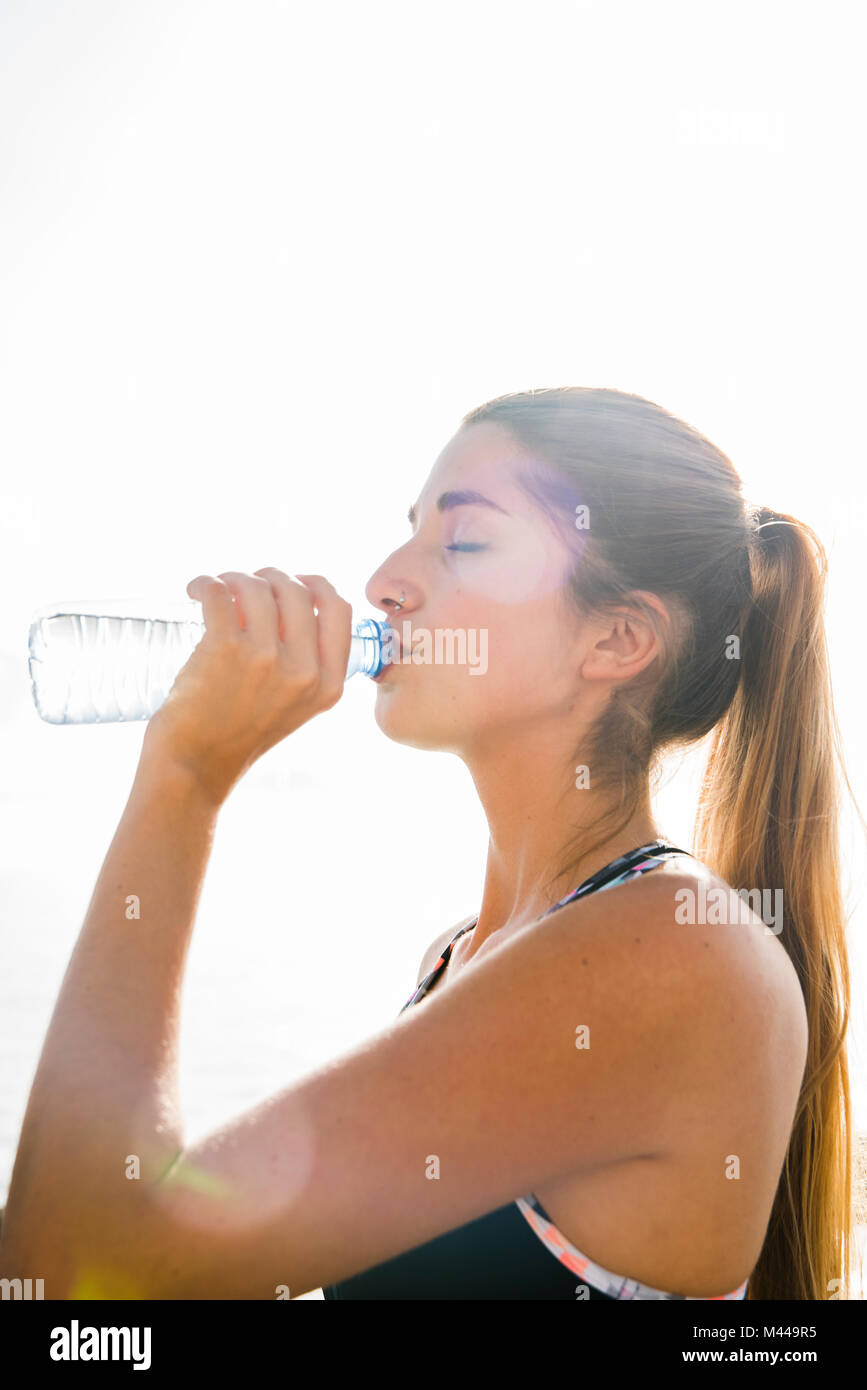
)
(529, 663)
(518, 575)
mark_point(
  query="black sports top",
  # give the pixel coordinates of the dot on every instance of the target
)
(515, 1252)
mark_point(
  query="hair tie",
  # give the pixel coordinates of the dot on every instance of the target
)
(764, 516)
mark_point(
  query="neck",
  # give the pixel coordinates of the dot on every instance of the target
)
(533, 823)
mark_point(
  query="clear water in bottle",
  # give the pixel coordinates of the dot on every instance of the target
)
(101, 661)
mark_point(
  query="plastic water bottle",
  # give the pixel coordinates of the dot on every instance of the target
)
(101, 661)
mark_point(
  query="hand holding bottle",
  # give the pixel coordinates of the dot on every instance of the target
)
(266, 665)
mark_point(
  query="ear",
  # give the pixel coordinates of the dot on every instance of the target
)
(628, 641)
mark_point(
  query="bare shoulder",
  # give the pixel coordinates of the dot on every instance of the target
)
(747, 926)
(437, 946)
(681, 931)
(725, 944)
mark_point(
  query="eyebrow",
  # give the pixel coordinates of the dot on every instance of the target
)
(465, 497)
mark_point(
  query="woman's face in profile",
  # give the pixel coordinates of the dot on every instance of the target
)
(483, 573)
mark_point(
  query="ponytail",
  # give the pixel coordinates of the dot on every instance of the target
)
(768, 817)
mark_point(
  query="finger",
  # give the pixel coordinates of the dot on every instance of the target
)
(295, 608)
(258, 612)
(218, 606)
(335, 629)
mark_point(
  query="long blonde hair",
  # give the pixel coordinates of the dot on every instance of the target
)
(667, 515)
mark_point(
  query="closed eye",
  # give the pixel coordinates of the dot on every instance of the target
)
(465, 545)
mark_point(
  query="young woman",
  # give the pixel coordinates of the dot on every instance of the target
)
(618, 1079)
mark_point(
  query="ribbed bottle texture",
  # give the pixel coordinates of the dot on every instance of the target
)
(106, 661)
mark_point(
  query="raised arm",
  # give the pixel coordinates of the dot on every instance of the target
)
(104, 1101)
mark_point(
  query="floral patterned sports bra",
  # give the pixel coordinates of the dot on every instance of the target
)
(508, 1253)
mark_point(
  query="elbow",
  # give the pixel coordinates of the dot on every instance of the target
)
(57, 1264)
(21, 1275)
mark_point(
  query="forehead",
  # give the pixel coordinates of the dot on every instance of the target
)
(484, 458)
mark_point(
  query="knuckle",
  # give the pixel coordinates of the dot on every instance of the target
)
(303, 679)
(229, 642)
(261, 658)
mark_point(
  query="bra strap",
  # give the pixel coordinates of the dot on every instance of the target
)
(619, 866)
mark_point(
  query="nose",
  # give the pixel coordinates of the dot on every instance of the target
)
(385, 589)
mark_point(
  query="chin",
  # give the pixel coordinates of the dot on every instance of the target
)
(405, 720)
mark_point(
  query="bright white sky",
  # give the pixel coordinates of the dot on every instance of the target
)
(257, 261)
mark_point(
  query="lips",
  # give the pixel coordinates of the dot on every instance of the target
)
(397, 648)
(394, 649)
(396, 643)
